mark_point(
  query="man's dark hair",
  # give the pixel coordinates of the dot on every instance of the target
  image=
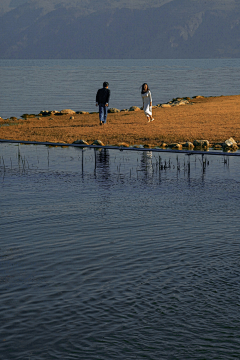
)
(105, 84)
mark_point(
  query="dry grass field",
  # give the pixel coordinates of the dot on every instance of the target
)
(214, 118)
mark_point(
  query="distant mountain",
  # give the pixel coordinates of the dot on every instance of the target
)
(86, 6)
(120, 29)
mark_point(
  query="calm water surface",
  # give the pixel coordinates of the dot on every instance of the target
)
(29, 86)
(118, 255)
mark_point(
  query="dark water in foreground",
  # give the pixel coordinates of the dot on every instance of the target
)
(106, 255)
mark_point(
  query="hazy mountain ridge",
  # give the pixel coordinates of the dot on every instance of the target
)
(168, 29)
(89, 6)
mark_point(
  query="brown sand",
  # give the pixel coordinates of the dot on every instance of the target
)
(215, 119)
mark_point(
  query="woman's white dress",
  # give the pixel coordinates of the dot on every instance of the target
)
(147, 99)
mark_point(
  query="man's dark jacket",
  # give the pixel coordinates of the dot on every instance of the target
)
(103, 96)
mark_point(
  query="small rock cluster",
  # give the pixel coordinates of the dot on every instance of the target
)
(228, 145)
(176, 102)
(203, 145)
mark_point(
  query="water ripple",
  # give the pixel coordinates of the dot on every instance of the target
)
(94, 267)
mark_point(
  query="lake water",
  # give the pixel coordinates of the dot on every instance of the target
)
(118, 255)
(29, 86)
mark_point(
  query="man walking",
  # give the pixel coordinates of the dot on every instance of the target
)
(102, 100)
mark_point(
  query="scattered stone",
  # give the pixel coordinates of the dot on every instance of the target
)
(163, 145)
(113, 110)
(217, 147)
(180, 102)
(134, 108)
(67, 112)
(175, 102)
(175, 146)
(13, 118)
(201, 143)
(230, 142)
(26, 116)
(124, 110)
(198, 97)
(48, 113)
(147, 146)
(230, 145)
(123, 144)
(83, 142)
(82, 112)
(188, 145)
(166, 105)
(98, 142)
(72, 118)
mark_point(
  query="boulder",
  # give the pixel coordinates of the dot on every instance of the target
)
(175, 146)
(113, 110)
(82, 112)
(44, 113)
(230, 142)
(83, 142)
(134, 108)
(166, 105)
(98, 142)
(163, 145)
(48, 113)
(26, 116)
(67, 112)
(122, 144)
(201, 143)
(230, 145)
(217, 147)
(180, 102)
(188, 145)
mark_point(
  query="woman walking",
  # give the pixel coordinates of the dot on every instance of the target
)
(147, 101)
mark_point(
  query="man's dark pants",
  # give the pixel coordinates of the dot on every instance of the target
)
(103, 110)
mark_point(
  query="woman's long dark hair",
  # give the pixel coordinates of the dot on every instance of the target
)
(142, 92)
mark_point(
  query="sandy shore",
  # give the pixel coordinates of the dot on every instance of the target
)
(214, 119)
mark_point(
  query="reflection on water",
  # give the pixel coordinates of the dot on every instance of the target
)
(102, 166)
(118, 255)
